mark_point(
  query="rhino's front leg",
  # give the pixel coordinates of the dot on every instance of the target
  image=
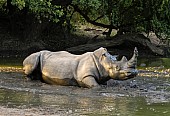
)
(90, 82)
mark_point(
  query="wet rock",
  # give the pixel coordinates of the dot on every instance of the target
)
(142, 64)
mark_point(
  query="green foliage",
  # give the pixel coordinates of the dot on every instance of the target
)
(128, 16)
(89, 7)
(2, 2)
(19, 3)
(44, 8)
(161, 20)
(88, 4)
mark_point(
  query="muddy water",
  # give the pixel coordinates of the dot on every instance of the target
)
(147, 94)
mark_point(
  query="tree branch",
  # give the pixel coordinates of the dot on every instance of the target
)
(111, 26)
(77, 9)
(99, 17)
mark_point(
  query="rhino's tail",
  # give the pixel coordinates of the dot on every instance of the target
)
(32, 66)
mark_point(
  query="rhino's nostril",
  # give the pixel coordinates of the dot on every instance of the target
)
(128, 73)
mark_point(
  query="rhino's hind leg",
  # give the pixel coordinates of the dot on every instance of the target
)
(90, 82)
(36, 74)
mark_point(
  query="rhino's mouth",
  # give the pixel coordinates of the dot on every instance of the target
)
(126, 74)
(132, 73)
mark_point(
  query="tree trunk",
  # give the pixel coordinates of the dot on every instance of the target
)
(122, 44)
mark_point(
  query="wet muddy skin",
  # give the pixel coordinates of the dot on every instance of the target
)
(143, 95)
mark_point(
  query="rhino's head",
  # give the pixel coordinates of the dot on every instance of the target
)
(120, 70)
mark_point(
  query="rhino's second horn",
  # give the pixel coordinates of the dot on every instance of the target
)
(133, 61)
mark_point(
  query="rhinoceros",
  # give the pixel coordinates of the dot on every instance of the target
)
(87, 70)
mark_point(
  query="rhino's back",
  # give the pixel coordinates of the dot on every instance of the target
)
(47, 55)
(58, 68)
(59, 65)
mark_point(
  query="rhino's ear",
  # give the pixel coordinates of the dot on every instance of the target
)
(31, 63)
(99, 52)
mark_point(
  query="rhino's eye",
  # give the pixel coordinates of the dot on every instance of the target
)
(117, 67)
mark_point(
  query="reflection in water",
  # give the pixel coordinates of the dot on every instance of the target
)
(70, 104)
(96, 104)
(16, 99)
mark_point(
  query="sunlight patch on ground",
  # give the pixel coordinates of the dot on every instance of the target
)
(11, 69)
(154, 72)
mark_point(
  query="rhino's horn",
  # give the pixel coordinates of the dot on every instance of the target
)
(133, 61)
(124, 59)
